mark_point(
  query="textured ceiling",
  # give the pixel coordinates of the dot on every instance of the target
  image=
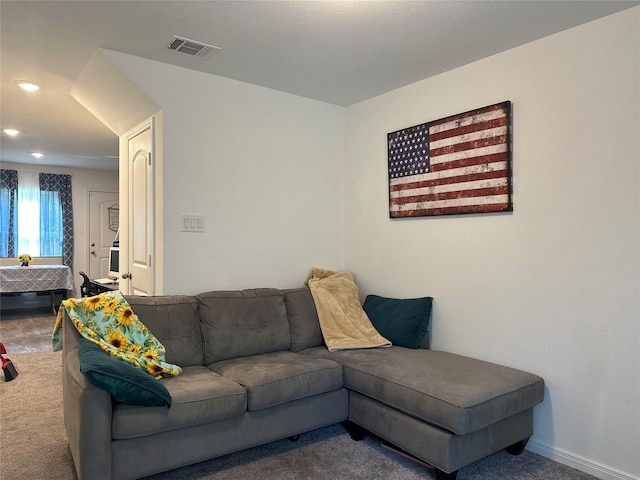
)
(340, 52)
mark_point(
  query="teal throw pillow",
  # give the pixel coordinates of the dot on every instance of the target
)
(126, 383)
(404, 322)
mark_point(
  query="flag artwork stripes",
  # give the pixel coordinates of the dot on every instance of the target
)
(456, 165)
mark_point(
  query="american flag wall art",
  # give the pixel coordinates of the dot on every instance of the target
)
(455, 165)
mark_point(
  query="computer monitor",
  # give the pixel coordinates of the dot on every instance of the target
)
(114, 262)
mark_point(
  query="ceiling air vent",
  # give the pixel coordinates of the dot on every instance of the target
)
(190, 47)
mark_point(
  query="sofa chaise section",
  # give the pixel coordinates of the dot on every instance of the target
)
(469, 408)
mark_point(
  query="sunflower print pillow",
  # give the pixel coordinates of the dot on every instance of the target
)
(108, 320)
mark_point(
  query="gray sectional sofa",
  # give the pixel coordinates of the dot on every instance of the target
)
(255, 370)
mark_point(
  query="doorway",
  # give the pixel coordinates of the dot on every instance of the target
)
(104, 221)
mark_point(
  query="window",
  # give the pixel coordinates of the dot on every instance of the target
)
(51, 239)
(36, 215)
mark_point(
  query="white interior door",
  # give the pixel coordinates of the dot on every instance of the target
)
(140, 256)
(103, 225)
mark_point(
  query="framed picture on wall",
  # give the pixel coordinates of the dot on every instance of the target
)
(455, 165)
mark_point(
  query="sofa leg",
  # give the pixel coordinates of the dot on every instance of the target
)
(440, 475)
(356, 432)
(518, 447)
(294, 438)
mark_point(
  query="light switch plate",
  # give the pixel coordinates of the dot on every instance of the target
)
(192, 223)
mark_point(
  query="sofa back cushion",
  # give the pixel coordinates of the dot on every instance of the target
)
(303, 319)
(175, 321)
(243, 323)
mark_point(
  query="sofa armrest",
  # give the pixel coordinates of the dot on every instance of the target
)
(87, 417)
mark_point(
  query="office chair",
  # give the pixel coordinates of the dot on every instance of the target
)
(86, 289)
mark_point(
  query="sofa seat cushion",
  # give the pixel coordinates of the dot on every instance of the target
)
(279, 377)
(458, 393)
(199, 396)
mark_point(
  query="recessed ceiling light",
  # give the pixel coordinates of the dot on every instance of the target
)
(28, 86)
(11, 131)
(37, 154)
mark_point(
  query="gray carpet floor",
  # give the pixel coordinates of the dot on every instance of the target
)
(33, 445)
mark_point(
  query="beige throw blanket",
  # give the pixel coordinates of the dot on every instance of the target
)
(343, 322)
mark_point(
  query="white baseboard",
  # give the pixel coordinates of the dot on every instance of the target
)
(582, 464)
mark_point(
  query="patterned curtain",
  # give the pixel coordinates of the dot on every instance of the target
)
(61, 186)
(8, 193)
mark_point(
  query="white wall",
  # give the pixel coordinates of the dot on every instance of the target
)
(553, 287)
(83, 180)
(265, 168)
